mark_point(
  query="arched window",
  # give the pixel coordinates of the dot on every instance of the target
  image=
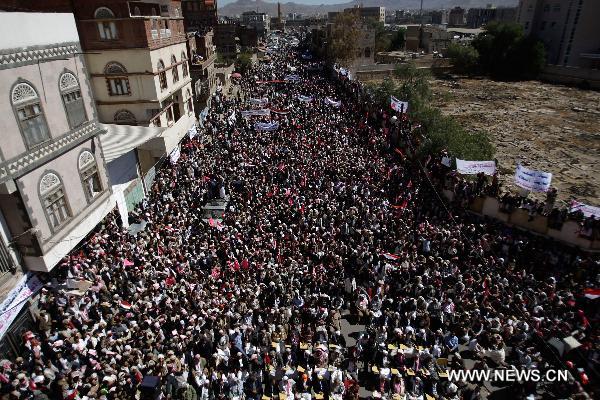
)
(125, 117)
(184, 64)
(136, 11)
(88, 170)
(71, 95)
(190, 107)
(162, 76)
(52, 196)
(30, 115)
(117, 80)
(174, 69)
(106, 29)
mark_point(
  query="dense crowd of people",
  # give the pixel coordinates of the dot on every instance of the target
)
(334, 271)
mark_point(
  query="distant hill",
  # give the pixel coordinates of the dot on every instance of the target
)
(240, 6)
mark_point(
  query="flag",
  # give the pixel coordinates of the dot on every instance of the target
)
(215, 273)
(292, 78)
(397, 105)
(390, 256)
(283, 112)
(591, 293)
(170, 281)
(211, 222)
(125, 305)
(127, 263)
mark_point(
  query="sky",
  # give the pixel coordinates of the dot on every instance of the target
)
(313, 2)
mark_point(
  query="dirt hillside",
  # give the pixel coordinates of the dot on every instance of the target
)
(547, 127)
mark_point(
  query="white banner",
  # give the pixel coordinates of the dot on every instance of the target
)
(475, 167)
(16, 299)
(585, 209)
(332, 102)
(266, 126)
(535, 181)
(192, 132)
(261, 102)
(305, 98)
(292, 78)
(397, 105)
(175, 154)
(260, 112)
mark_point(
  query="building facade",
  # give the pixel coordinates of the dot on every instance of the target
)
(54, 188)
(226, 39)
(456, 16)
(202, 67)
(569, 29)
(199, 14)
(259, 21)
(50, 130)
(477, 17)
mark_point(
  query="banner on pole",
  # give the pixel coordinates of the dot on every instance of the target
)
(266, 126)
(260, 102)
(192, 132)
(587, 210)
(175, 154)
(397, 105)
(475, 167)
(305, 98)
(260, 112)
(535, 181)
(16, 299)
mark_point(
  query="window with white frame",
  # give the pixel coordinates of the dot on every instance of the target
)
(125, 117)
(88, 170)
(117, 81)
(29, 113)
(184, 65)
(52, 195)
(71, 95)
(174, 70)
(162, 75)
(106, 29)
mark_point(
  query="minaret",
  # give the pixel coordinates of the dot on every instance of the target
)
(279, 11)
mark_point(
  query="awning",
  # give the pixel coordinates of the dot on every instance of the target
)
(121, 139)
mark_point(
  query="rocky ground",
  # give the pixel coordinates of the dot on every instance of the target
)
(546, 127)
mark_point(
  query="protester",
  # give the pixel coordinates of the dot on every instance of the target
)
(325, 225)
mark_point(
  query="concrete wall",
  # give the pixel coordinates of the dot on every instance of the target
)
(44, 78)
(571, 75)
(66, 167)
(569, 233)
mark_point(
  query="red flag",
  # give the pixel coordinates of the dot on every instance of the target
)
(211, 222)
(170, 281)
(409, 185)
(397, 150)
(215, 273)
(245, 264)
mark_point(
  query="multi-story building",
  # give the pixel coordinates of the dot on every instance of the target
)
(569, 29)
(477, 17)
(202, 68)
(137, 58)
(199, 14)
(260, 21)
(456, 17)
(54, 188)
(427, 38)
(226, 39)
(370, 13)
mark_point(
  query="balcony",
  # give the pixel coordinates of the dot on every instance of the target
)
(202, 63)
(127, 33)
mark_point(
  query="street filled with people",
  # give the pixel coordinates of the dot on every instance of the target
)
(335, 271)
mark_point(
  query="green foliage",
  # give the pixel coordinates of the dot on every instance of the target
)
(343, 42)
(464, 58)
(440, 131)
(243, 62)
(398, 39)
(505, 52)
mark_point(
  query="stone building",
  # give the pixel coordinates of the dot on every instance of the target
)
(54, 187)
